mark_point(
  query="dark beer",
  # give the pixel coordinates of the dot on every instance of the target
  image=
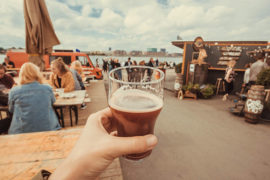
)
(135, 114)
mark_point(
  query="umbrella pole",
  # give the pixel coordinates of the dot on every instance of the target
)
(37, 59)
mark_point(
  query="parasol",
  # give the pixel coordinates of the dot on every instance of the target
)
(39, 32)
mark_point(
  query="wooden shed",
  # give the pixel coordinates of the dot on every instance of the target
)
(218, 54)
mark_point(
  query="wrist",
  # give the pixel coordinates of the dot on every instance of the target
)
(68, 170)
(75, 168)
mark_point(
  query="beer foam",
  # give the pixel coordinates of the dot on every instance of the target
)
(134, 100)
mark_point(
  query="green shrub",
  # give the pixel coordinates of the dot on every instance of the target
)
(204, 91)
(207, 91)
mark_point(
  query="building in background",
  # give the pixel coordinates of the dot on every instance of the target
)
(151, 52)
(135, 53)
(151, 49)
(119, 53)
(163, 50)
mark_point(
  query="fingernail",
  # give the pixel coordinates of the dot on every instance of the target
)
(151, 141)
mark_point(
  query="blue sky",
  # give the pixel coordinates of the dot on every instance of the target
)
(137, 25)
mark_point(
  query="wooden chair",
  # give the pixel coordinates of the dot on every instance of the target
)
(220, 85)
(4, 109)
(267, 94)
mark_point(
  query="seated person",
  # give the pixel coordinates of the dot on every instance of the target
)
(61, 77)
(77, 79)
(76, 68)
(32, 103)
(9, 64)
(75, 75)
(6, 81)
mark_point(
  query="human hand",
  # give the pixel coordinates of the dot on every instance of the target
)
(97, 147)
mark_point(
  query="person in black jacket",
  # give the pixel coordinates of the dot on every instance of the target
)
(119, 72)
(149, 71)
(105, 65)
(129, 70)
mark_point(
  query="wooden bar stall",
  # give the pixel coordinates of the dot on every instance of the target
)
(219, 53)
(24, 155)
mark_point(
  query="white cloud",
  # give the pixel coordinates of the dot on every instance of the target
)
(185, 16)
(129, 24)
(86, 10)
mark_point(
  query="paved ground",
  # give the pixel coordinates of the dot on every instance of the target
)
(202, 140)
(198, 139)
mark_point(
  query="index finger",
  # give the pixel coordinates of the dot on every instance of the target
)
(106, 112)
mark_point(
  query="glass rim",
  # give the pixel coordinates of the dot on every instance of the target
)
(162, 75)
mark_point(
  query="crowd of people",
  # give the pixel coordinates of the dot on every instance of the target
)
(131, 70)
(111, 63)
(30, 102)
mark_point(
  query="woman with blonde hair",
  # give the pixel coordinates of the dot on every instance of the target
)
(78, 67)
(229, 79)
(32, 103)
(77, 71)
(61, 77)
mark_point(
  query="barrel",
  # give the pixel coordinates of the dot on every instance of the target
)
(254, 104)
(178, 84)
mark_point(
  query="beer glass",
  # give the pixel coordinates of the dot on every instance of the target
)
(135, 99)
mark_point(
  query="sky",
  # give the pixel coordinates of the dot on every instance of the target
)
(92, 25)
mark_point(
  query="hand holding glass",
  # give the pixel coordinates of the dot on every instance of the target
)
(135, 101)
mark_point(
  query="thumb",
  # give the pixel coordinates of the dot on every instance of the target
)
(132, 145)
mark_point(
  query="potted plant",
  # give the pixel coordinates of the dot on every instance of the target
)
(263, 78)
(207, 91)
(191, 90)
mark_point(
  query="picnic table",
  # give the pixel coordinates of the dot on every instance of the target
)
(24, 155)
(72, 103)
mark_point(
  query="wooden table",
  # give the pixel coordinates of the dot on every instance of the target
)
(71, 103)
(77, 100)
(13, 69)
(24, 155)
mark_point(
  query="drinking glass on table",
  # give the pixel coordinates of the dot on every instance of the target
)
(135, 101)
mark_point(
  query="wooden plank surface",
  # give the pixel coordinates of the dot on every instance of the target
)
(13, 69)
(24, 155)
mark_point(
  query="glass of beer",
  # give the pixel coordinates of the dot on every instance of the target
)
(135, 100)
